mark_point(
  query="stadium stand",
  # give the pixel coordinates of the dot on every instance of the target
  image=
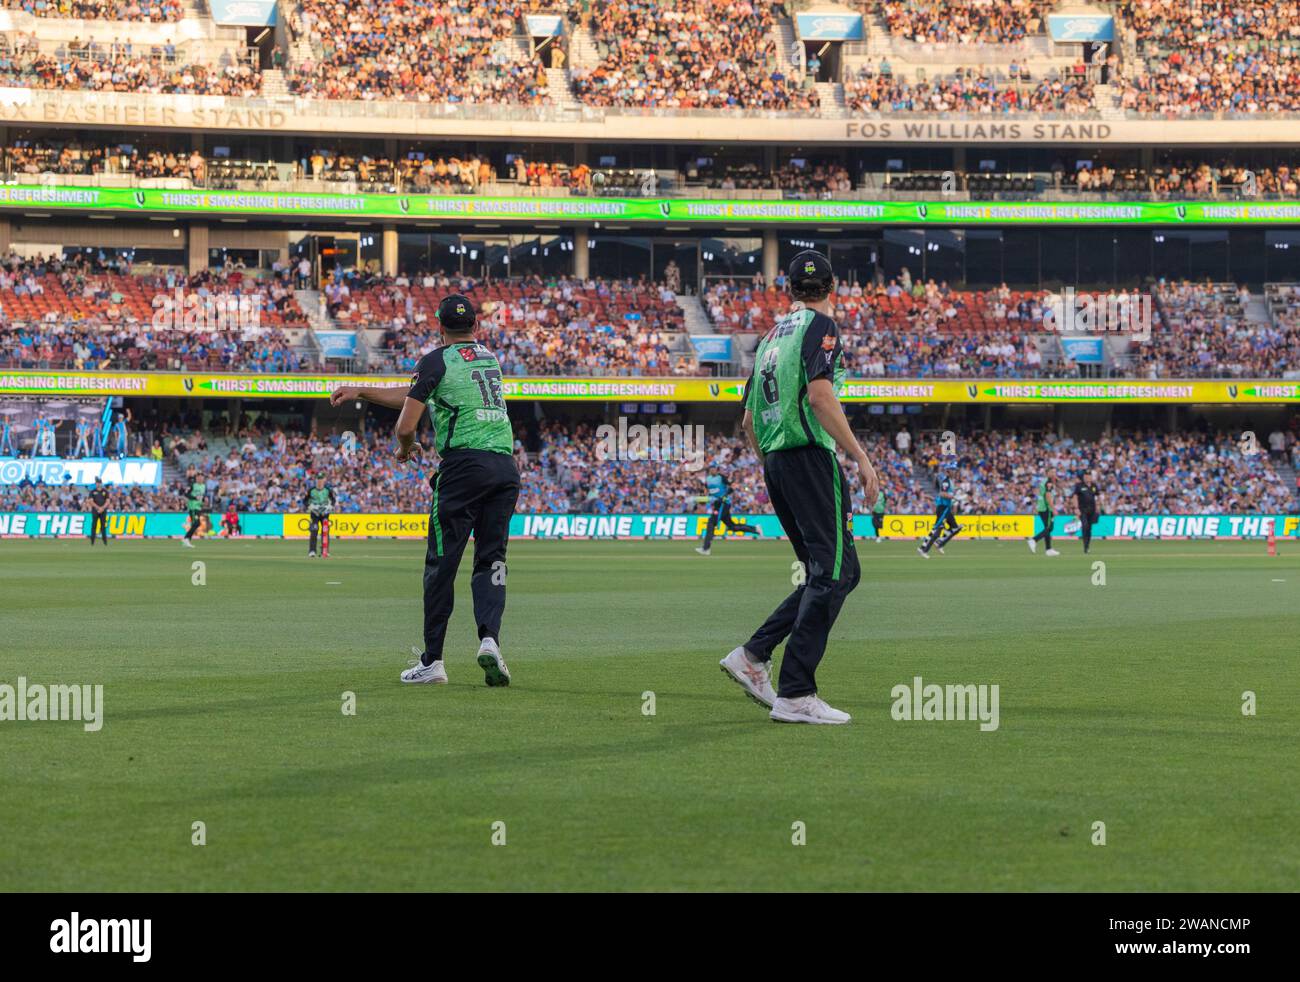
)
(927, 331)
(84, 315)
(430, 52)
(153, 11)
(1142, 472)
(1203, 332)
(945, 21)
(1210, 57)
(686, 54)
(567, 327)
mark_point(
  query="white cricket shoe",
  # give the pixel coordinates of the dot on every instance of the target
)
(924, 554)
(702, 551)
(1051, 552)
(941, 550)
(1033, 544)
(434, 673)
(806, 709)
(311, 555)
(755, 677)
(494, 668)
(187, 543)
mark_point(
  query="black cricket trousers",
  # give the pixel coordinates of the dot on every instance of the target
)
(810, 496)
(474, 490)
(1087, 520)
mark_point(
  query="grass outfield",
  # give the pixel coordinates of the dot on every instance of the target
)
(1119, 703)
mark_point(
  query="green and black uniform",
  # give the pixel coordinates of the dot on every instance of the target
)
(319, 502)
(807, 489)
(194, 505)
(99, 514)
(878, 512)
(1085, 492)
(1044, 508)
(475, 487)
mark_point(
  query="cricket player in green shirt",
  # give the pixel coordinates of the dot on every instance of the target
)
(195, 501)
(794, 420)
(1045, 513)
(475, 487)
(319, 501)
(878, 514)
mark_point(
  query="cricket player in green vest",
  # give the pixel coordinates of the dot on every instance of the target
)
(195, 502)
(794, 420)
(319, 501)
(1043, 507)
(475, 487)
(878, 514)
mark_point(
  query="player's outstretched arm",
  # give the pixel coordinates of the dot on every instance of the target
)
(826, 407)
(747, 423)
(407, 423)
(381, 395)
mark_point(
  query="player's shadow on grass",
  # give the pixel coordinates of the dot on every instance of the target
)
(234, 707)
(440, 764)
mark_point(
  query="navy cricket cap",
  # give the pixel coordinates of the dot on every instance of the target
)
(810, 273)
(456, 312)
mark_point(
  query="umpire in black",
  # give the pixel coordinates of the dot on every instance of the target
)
(1087, 494)
(99, 499)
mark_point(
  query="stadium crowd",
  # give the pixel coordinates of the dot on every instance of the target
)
(536, 326)
(422, 51)
(968, 92)
(1213, 56)
(89, 312)
(686, 54)
(153, 11)
(806, 178)
(1140, 472)
(41, 157)
(1203, 332)
(911, 329)
(26, 68)
(1189, 179)
(563, 471)
(966, 23)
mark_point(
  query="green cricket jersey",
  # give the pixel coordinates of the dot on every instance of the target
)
(879, 506)
(198, 491)
(461, 385)
(803, 346)
(1042, 497)
(320, 500)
